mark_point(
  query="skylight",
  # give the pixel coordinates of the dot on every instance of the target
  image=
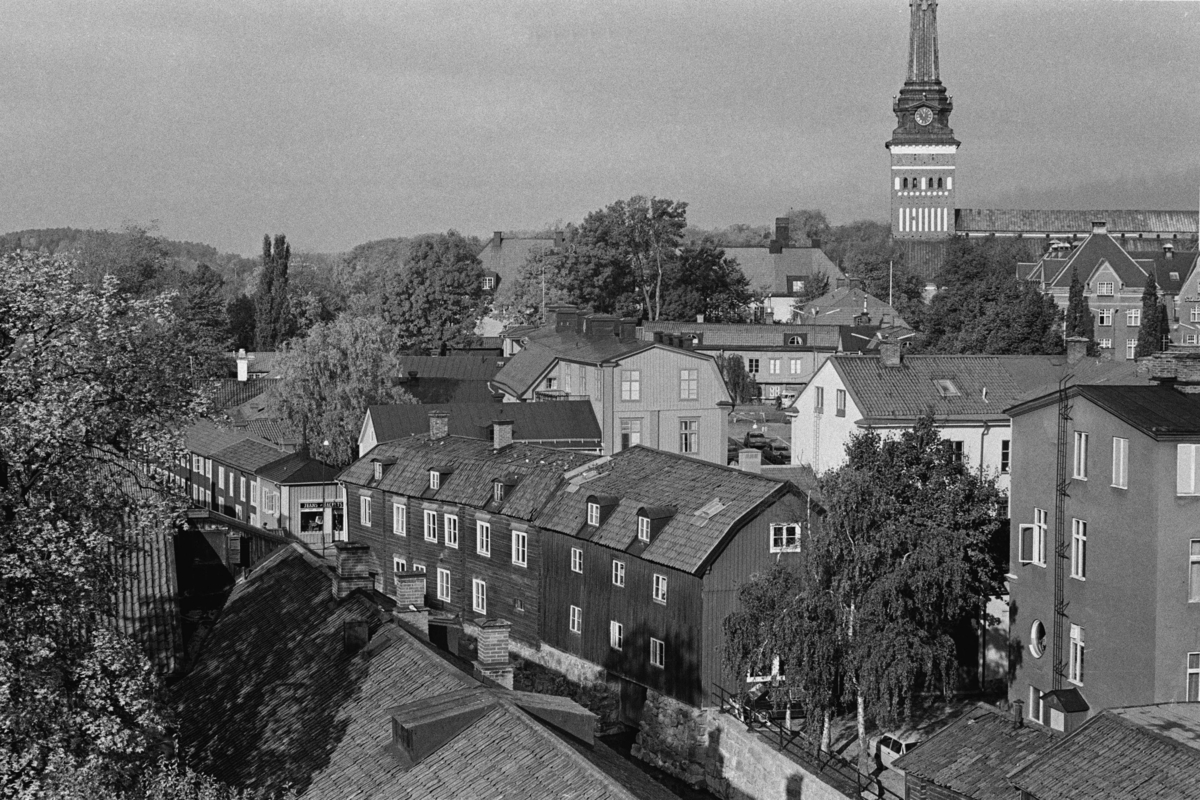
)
(711, 508)
(945, 387)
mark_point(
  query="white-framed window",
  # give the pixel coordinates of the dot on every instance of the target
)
(616, 635)
(242, 487)
(208, 468)
(520, 548)
(418, 567)
(1191, 338)
(1040, 528)
(1195, 313)
(198, 464)
(1005, 456)
(785, 537)
(478, 596)
(1193, 677)
(377, 470)
(841, 403)
(631, 433)
(689, 384)
(774, 366)
(576, 619)
(796, 365)
(1079, 549)
(364, 510)
(237, 511)
(631, 384)
(1104, 317)
(1104, 288)
(221, 477)
(1120, 462)
(1075, 661)
(660, 589)
(1130, 348)
(752, 365)
(618, 572)
(254, 496)
(1081, 453)
(1105, 344)
(483, 538)
(398, 564)
(450, 522)
(577, 560)
(435, 479)
(399, 519)
(498, 491)
(593, 513)
(643, 529)
(689, 436)
(1194, 571)
(443, 584)
(1025, 535)
(1187, 465)
(1133, 317)
(819, 400)
(430, 525)
(1036, 705)
(1037, 639)
(489, 283)
(658, 650)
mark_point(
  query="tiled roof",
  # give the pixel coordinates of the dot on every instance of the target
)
(298, 468)
(205, 437)
(1178, 721)
(275, 699)
(841, 306)
(428, 391)
(1112, 757)
(1169, 273)
(1037, 221)
(769, 271)
(275, 431)
(562, 421)
(147, 599)
(248, 454)
(546, 344)
(974, 755)
(640, 477)
(459, 368)
(1098, 249)
(473, 466)
(736, 335)
(232, 392)
(1156, 410)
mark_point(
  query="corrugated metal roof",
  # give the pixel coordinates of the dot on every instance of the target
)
(566, 420)
(985, 220)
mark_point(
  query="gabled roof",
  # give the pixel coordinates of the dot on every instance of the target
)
(710, 501)
(275, 431)
(275, 699)
(205, 437)
(298, 468)
(841, 306)
(231, 392)
(974, 754)
(546, 345)
(989, 220)
(1116, 756)
(770, 271)
(507, 257)
(248, 455)
(1098, 249)
(561, 421)
(472, 466)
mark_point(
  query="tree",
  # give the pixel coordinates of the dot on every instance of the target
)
(815, 287)
(1078, 321)
(438, 299)
(272, 306)
(92, 381)
(702, 281)
(200, 307)
(329, 377)
(806, 225)
(742, 387)
(135, 257)
(900, 559)
(241, 322)
(1150, 336)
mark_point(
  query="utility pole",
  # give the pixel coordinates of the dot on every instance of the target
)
(889, 282)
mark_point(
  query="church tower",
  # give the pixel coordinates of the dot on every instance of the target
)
(922, 146)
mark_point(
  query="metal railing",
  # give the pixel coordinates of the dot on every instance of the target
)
(798, 744)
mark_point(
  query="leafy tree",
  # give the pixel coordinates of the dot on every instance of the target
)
(1078, 320)
(135, 257)
(701, 280)
(438, 299)
(92, 379)
(200, 307)
(330, 376)
(742, 387)
(1150, 337)
(900, 559)
(166, 779)
(273, 322)
(739, 235)
(806, 225)
(240, 312)
(813, 288)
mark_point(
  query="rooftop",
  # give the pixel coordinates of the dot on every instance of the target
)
(770, 271)
(718, 335)
(843, 305)
(563, 421)
(248, 454)
(1038, 221)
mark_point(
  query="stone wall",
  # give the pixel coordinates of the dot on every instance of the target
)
(573, 667)
(597, 697)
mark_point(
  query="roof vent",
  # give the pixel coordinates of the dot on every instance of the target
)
(711, 508)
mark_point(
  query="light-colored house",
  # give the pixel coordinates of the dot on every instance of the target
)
(779, 272)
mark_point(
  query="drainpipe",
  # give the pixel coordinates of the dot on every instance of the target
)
(982, 434)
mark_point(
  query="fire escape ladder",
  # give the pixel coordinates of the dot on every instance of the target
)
(1061, 553)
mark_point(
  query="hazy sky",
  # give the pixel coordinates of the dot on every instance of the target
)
(341, 122)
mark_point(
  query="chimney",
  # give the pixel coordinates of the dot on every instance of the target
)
(409, 594)
(412, 376)
(243, 365)
(1077, 347)
(628, 329)
(439, 425)
(564, 318)
(1168, 251)
(497, 238)
(492, 651)
(1018, 717)
(1179, 367)
(889, 353)
(1099, 226)
(783, 231)
(842, 283)
(750, 460)
(816, 242)
(355, 635)
(700, 319)
(353, 569)
(502, 434)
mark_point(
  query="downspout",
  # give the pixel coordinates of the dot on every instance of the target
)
(982, 435)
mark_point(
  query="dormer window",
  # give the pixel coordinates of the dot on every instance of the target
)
(378, 470)
(1104, 288)
(489, 283)
(498, 491)
(435, 479)
(643, 529)
(593, 513)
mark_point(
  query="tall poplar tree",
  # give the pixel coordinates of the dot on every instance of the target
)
(1153, 314)
(272, 308)
(1078, 320)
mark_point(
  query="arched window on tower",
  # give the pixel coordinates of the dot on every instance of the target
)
(939, 183)
(906, 183)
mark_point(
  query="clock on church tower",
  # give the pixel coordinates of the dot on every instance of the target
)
(922, 145)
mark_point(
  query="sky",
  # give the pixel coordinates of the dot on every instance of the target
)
(338, 123)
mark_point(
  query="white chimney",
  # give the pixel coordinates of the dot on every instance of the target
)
(243, 364)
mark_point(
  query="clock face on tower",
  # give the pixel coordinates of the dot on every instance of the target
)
(924, 116)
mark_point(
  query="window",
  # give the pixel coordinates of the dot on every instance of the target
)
(498, 491)
(1195, 313)
(520, 548)
(208, 468)
(797, 286)
(221, 477)
(398, 564)
(254, 498)
(797, 366)
(435, 479)
(819, 400)
(399, 519)
(657, 652)
(1078, 549)
(1133, 317)
(905, 183)
(956, 450)
(478, 596)
(431, 526)
(451, 530)
(378, 470)
(774, 365)
(577, 560)
(364, 510)
(643, 529)
(443, 584)
(593, 514)
(1193, 677)
(1106, 344)
(689, 435)
(1186, 458)
(1104, 288)
(618, 573)
(1040, 527)
(946, 387)
(1120, 463)
(1191, 338)
(752, 365)
(631, 384)
(483, 538)
(785, 537)
(418, 567)
(1005, 456)
(576, 619)
(489, 283)
(841, 402)
(689, 384)
(1081, 447)
(1105, 316)
(1194, 571)
(242, 487)
(1130, 348)
(631, 433)
(198, 464)
(1036, 709)
(1037, 639)
(660, 589)
(616, 635)
(1075, 664)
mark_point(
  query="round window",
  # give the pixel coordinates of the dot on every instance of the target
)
(1037, 638)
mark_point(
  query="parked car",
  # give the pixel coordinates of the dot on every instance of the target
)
(755, 439)
(894, 745)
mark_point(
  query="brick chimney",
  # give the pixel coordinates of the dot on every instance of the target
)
(502, 434)
(1179, 367)
(439, 425)
(492, 651)
(889, 353)
(409, 594)
(1018, 717)
(353, 571)
(243, 366)
(750, 460)
(783, 231)
(497, 238)
(1077, 347)
(628, 329)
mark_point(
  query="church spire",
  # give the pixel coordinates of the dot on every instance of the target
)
(923, 43)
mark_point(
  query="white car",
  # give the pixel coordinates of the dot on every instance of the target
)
(894, 745)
